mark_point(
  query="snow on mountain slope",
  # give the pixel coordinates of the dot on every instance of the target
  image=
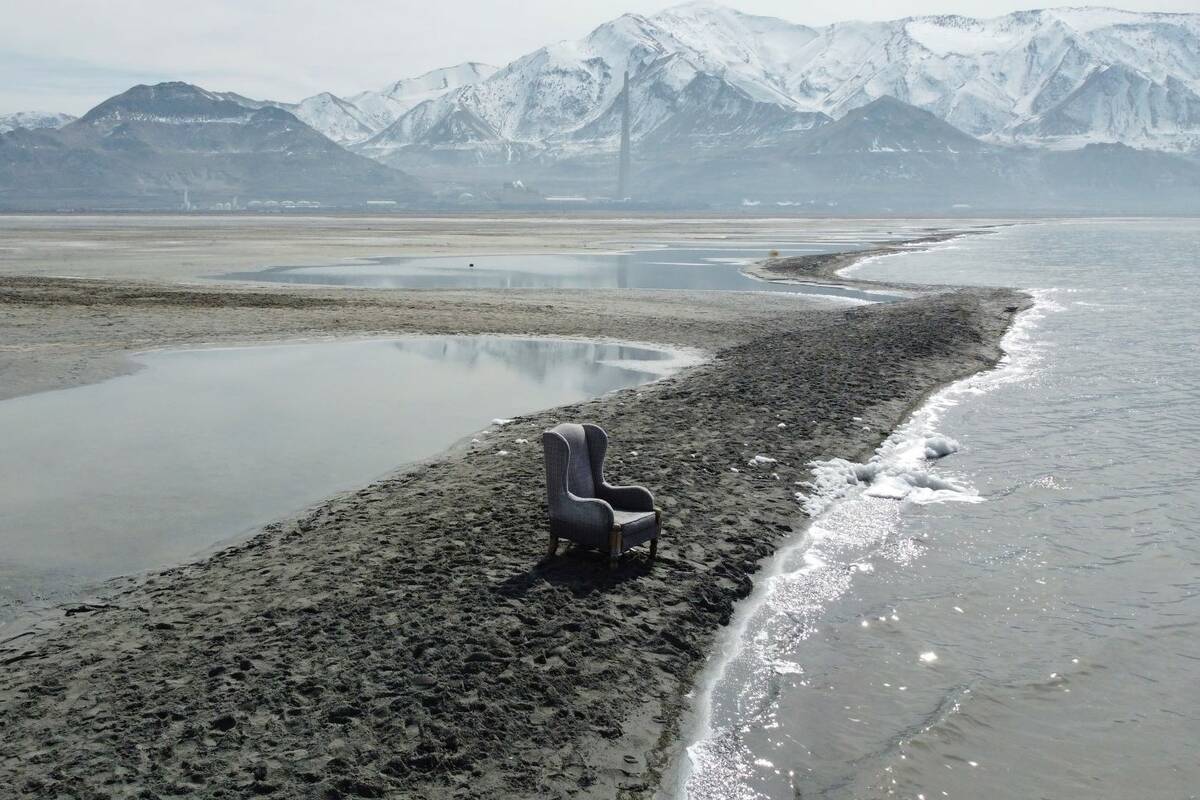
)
(172, 103)
(382, 108)
(991, 76)
(547, 92)
(565, 94)
(248, 102)
(1022, 77)
(888, 126)
(338, 119)
(326, 113)
(558, 88)
(33, 120)
(1112, 104)
(350, 121)
(676, 107)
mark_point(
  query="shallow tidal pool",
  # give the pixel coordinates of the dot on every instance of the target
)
(706, 267)
(201, 446)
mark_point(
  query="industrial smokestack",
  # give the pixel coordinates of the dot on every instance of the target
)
(623, 167)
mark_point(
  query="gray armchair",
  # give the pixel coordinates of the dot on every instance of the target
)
(584, 508)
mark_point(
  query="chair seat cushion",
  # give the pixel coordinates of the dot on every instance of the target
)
(633, 521)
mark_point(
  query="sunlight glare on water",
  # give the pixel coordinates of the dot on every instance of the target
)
(1041, 643)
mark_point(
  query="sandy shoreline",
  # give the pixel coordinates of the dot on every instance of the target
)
(183, 248)
(403, 640)
(824, 267)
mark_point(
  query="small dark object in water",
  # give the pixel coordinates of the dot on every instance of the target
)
(1011, 309)
(585, 508)
(472, 265)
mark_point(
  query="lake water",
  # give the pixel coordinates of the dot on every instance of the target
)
(203, 444)
(712, 266)
(1038, 638)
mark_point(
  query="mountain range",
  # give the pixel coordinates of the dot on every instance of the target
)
(1058, 77)
(168, 145)
(32, 120)
(727, 107)
(891, 157)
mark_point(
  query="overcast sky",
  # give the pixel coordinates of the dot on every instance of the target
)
(67, 55)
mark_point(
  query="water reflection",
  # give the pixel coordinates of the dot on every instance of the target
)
(201, 445)
(610, 365)
(707, 268)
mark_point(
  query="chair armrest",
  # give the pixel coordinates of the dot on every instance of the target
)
(585, 512)
(627, 498)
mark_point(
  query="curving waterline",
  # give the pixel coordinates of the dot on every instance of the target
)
(853, 512)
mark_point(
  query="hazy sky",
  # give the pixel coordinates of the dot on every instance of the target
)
(67, 55)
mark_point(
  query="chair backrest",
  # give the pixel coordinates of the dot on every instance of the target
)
(580, 481)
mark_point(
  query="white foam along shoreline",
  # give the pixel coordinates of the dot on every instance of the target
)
(827, 556)
(950, 243)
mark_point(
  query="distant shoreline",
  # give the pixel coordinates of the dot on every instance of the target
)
(824, 267)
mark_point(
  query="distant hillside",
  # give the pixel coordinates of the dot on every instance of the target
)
(33, 120)
(889, 156)
(148, 146)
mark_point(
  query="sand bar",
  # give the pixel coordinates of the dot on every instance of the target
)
(403, 640)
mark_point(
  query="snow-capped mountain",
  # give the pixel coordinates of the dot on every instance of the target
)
(351, 120)
(565, 96)
(32, 120)
(338, 119)
(1118, 104)
(1058, 77)
(382, 108)
(994, 77)
(147, 146)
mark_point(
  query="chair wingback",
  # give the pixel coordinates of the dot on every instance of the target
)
(597, 448)
(580, 480)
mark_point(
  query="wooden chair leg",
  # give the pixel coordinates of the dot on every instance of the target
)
(552, 550)
(614, 546)
(657, 532)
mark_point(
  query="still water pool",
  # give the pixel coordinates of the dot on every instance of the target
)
(203, 444)
(707, 267)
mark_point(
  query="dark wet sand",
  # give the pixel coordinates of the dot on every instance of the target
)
(404, 640)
